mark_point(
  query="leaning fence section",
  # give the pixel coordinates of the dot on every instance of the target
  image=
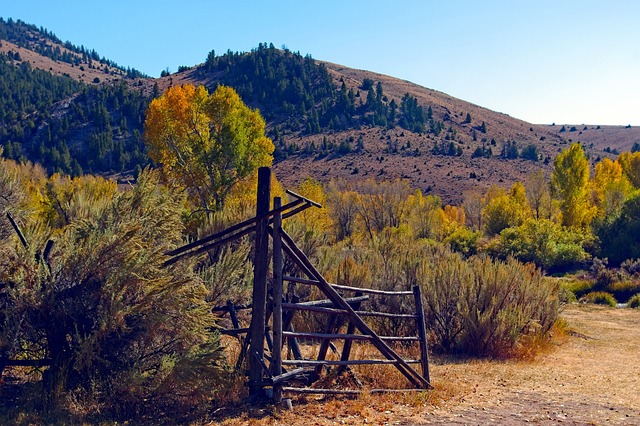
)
(272, 371)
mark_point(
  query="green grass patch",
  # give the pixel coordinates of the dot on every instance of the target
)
(600, 298)
(634, 301)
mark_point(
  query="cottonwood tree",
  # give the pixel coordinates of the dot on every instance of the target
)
(610, 187)
(570, 184)
(539, 195)
(505, 210)
(630, 162)
(206, 142)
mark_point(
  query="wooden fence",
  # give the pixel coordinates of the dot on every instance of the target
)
(272, 323)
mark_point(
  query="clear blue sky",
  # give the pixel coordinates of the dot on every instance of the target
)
(544, 61)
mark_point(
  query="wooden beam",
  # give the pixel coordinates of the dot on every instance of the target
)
(347, 362)
(298, 256)
(349, 288)
(345, 391)
(334, 311)
(348, 344)
(276, 365)
(422, 332)
(338, 336)
(236, 227)
(259, 308)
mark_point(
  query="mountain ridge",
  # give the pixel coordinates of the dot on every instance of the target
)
(362, 125)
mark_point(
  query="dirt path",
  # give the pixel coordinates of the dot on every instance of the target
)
(593, 378)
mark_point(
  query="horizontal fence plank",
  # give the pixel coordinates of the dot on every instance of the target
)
(348, 362)
(225, 308)
(233, 331)
(334, 311)
(290, 375)
(349, 288)
(320, 336)
(345, 391)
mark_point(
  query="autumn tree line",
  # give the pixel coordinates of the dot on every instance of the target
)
(84, 286)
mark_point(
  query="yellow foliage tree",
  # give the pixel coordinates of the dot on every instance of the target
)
(505, 210)
(426, 216)
(630, 162)
(206, 142)
(570, 184)
(610, 187)
(314, 219)
(342, 203)
(538, 195)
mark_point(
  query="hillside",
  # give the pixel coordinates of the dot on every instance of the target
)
(327, 121)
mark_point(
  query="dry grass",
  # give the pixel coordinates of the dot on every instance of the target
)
(586, 375)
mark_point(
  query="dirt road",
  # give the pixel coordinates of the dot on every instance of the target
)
(591, 378)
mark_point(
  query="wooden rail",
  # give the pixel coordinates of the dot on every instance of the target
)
(348, 362)
(349, 288)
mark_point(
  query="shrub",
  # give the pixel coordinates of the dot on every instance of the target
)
(117, 325)
(464, 240)
(623, 290)
(579, 287)
(600, 298)
(546, 243)
(485, 307)
(631, 266)
(634, 301)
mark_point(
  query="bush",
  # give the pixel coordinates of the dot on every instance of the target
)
(600, 298)
(631, 266)
(117, 325)
(579, 287)
(634, 301)
(620, 238)
(623, 290)
(464, 240)
(485, 307)
(548, 244)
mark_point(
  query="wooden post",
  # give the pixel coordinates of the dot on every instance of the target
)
(276, 367)
(23, 240)
(422, 332)
(259, 305)
(232, 314)
(324, 346)
(346, 348)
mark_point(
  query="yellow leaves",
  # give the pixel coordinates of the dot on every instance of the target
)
(610, 187)
(505, 210)
(570, 183)
(314, 218)
(206, 143)
(630, 162)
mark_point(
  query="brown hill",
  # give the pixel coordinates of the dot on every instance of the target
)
(397, 153)
(83, 72)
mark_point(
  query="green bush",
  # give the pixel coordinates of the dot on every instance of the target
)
(600, 298)
(118, 326)
(579, 287)
(623, 290)
(634, 301)
(464, 240)
(549, 245)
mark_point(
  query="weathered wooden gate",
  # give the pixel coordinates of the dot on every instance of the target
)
(269, 370)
